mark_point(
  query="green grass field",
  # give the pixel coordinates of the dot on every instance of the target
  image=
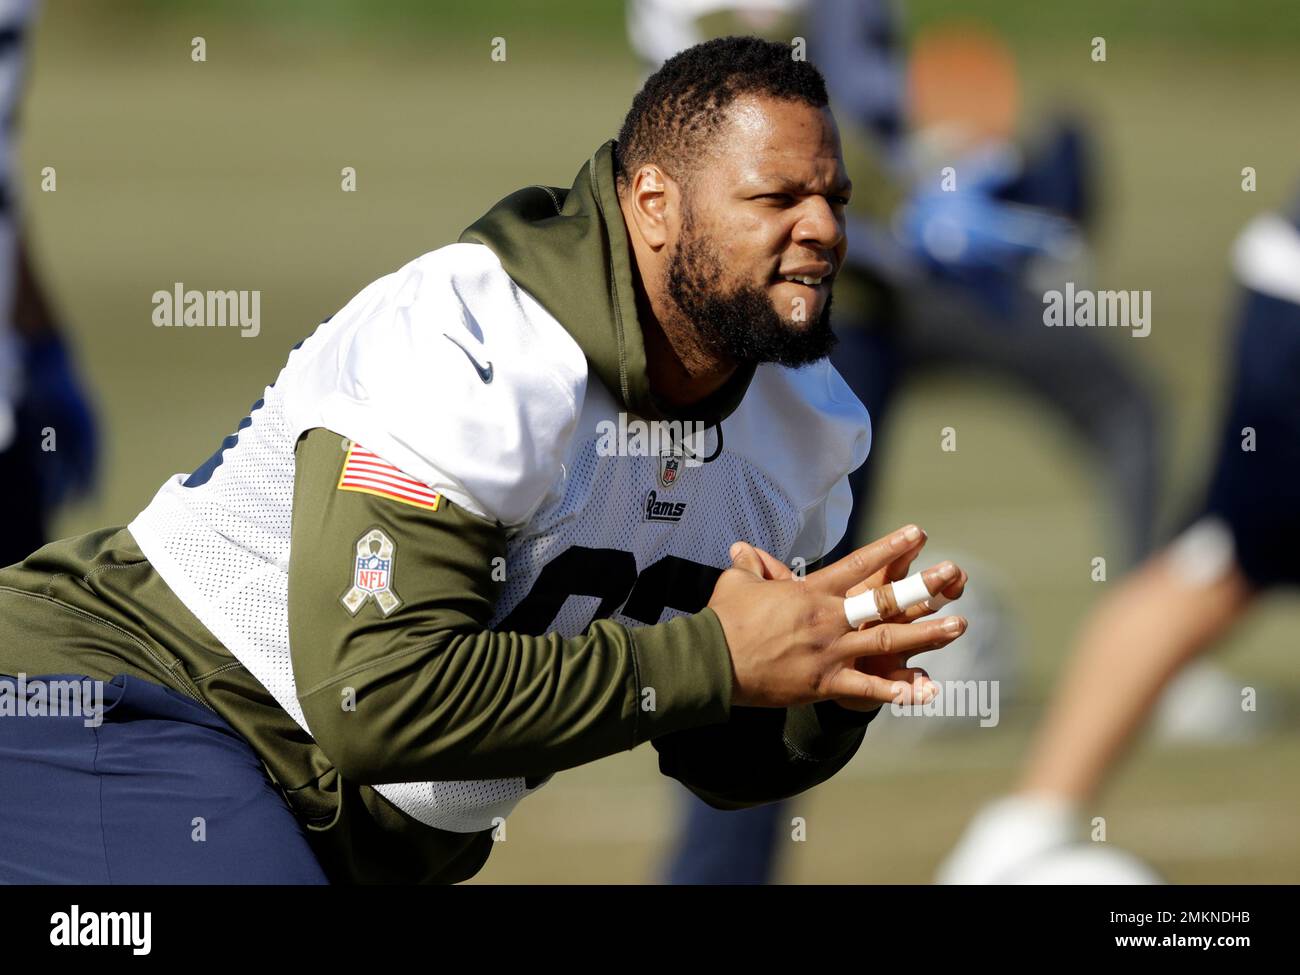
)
(226, 174)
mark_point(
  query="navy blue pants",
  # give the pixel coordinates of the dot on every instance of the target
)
(726, 846)
(1257, 492)
(161, 791)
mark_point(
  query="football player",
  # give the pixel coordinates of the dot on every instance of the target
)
(1183, 600)
(422, 576)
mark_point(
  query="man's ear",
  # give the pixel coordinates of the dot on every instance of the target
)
(653, 203)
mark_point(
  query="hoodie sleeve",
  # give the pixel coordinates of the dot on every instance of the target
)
(763, 754)
(390, 593)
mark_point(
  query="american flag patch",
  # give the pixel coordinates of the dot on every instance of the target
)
(369, 473)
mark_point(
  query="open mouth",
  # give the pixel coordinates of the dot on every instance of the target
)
(805, 280)
(810, 281)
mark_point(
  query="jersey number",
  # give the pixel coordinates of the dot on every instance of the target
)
(610, 575)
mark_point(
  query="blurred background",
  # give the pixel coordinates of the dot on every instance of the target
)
(225, 174)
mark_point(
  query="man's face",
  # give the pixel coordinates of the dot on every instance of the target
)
(762, 234)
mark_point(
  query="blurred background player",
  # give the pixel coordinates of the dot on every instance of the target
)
(946, 269)
(1184, 599)
(47, 431)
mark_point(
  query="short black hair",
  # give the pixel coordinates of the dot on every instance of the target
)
(681, 106)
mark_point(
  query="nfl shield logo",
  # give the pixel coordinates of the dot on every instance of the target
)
(372, 573)
(669, 468)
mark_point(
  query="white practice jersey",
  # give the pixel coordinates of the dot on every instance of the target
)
(528, 448)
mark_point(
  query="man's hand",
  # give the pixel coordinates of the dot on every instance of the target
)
(791, 643)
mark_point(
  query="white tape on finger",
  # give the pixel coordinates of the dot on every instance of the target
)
(937, 601)
(861, 608)
(908, 592)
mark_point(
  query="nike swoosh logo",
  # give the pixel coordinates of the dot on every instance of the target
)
(484, 373)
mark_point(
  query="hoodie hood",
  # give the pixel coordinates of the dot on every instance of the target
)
(569, 250)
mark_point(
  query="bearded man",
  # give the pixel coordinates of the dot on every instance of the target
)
(409, 588)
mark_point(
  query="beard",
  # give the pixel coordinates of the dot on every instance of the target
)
(740, 324)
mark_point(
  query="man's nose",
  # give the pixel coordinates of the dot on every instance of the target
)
(818, 225)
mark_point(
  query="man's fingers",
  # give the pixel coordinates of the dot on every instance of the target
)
(920, 689)
(908, 686)
(948, 594)
(895, 570)
(773, 567)
(910, 674)
(859, 688)
(936, 579)
(899, 568)
(859, 565)
(900, 638)
(746, 558)
(890, 601)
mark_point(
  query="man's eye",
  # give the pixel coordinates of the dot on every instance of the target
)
(839, 201)
(776, 197)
